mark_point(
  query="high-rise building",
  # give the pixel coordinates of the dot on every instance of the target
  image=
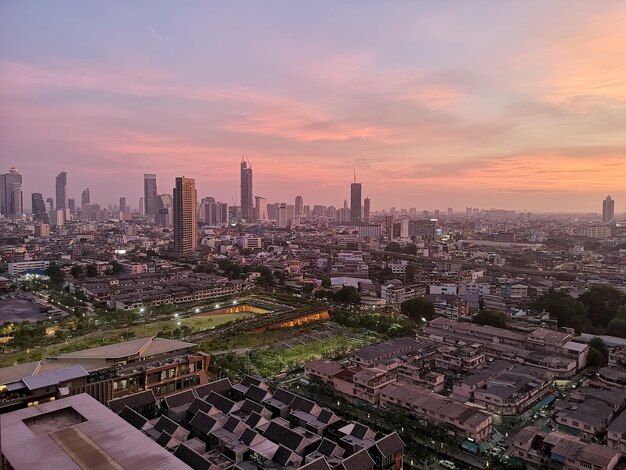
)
(164, 214)
(150, 194)
(61, 190)
(11, 202)
(246, 190)
(206, 212)
(299, 205)
(142, 207)
(608, 209)
(222, 212)
(291, 212)
(123, 207)
(50, 203)
(85, 197)
(40, 213)
(71, 205)
(366, 210)
(260, 208)
(281, 216)
(185, 207)
(355, 203)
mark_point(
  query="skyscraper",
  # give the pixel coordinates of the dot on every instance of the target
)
(71, 205)
(355, 203)
(84, 197)
(150, 194)
(123, 207)
(246, 190)
(185, 226)
(206, 213)
(366, 210)
(11, 202)
(299, 205)
(50, 203)
(163, 216)
(260, 208)
(61, 190)
(281, 216)
(141, 206)
(608, 209)
(40, 213)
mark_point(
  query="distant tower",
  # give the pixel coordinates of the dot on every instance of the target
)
(366, 210)
(11, 201)
(299, 205)
(246, 190)
(61, 190)
(40, 213)
(141, 206)
(185, 211)
(355, 201)
(71, 205)
(85, 197)
(281, 216)
(123, 207)
(260, 208)
(50, 203)
(608, 209)
(150, 194)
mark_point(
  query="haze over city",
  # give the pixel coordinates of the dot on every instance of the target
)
(436, 104)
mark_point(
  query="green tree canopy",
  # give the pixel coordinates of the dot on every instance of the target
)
(418, 308)
(56, 275)
(347, 295)
(490, 318)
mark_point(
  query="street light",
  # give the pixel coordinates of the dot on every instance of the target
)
(141, 310)
(197, 310)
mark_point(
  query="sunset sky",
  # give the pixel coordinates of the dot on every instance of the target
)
(437, 104)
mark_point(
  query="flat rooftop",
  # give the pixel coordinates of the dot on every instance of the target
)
(78, 433)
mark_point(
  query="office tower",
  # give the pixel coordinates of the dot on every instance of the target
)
(608, 209)
(57, 217)
(185, 206)
(141, 206)
(11, 202)
(71, 205)
(246, 190)
(150, 194)
(281, 216)
(299, 205)
(366, 210)
(50, 204)
(436, 213)
(291, 212)
(330, 212)
(61, 191)
(306, 210)
(355, 202)
(206, 211)
(423, 229)
(123, 207)
(85, 197)
(164, 212)
(260, 208)
(272, 211)
(222, 212)
(449, 211)
(42, 230)
(40, 213)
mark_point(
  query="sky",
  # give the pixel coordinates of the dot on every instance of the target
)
(436, 104)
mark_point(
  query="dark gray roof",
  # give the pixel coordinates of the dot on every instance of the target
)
(249, 406)
(360, 460)
(317, 464)
(325, 416)
(253, 419)
(390, 445)
(301, 403)
(132, 417)
(164, 439)
(249, 380)
(327, 447)
(248, 436)
(134, 400)
(220, 402)
(284, 396)
(179, 399)
(283, 436)
(55, 377)
(222, 387)
(198, 405)
(192, 458)
(166, 424)
(203, 422)
(282, 455)
(231, 424)
(359, 430)
(256, 393)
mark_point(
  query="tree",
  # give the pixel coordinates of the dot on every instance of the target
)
(116, 268)
(347, 295)
(56, 275)
(411, 271)
(394, 247)
(418, 308)
(76, 271)
(307, 288)
(326, 282)
(490, 318)
(598, 353)
(602, 303)
(568, 311)
(92, 270)
(411, 249)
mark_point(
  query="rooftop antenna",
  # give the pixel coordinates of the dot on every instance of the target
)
(355, 175)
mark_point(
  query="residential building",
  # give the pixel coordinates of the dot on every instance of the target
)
(185, 225)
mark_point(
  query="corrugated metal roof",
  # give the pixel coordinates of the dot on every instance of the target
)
(34, 382)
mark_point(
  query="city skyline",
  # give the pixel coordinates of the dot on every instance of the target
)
(435, 109)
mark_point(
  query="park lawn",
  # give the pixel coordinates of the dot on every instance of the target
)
(101, 338)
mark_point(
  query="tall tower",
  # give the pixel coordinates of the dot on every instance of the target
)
(246, 190)
(85, 197)
(123, 204)
(150, 194)
(185, 222)
(355, 201)
(260, 208)
(299, 205)
(61, 191)
(366, 210)
(11, 202)
(608, 209)
(40, 213)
